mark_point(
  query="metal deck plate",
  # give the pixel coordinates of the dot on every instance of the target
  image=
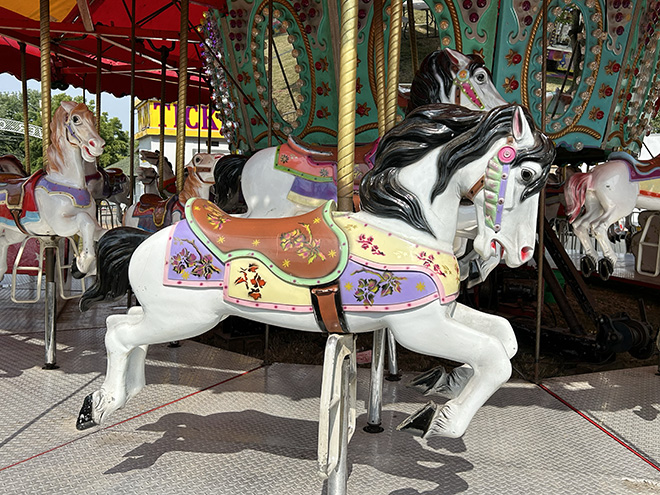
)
(257, 432)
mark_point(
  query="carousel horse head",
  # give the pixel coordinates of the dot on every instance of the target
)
(199, 175)
(498, 159)
(448, 76)
(75, 123)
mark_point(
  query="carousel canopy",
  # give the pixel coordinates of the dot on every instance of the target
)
(77, 24)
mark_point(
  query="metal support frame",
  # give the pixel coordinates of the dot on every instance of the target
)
(375, 408)
(337, 410)
(51, 308)
(643, 243)
(393, 374)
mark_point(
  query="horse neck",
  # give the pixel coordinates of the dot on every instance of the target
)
(66, 164)
(194, 189)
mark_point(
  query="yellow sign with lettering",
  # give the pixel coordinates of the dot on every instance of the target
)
(149, 120)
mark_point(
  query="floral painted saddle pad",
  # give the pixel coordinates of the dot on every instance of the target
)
(376, 270)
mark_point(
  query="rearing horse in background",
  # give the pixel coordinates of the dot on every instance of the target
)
(194, 274)
(56, 201)
(608, 193)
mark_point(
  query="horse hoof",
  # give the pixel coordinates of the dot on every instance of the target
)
(85, 415)
(587, 266)
(419, 422)
(605, 269)
(75, 272)
(428, 381)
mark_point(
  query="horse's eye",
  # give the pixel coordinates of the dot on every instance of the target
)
(526, 175)
(481, 77)
(76, 119)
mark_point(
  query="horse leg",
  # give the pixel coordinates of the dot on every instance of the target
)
(90, 232)
(449, 385)
(581, 228)
(433, 331)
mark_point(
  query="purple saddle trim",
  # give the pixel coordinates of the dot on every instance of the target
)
(81, 197)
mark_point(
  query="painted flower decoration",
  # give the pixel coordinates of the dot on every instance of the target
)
(204, 268)
(182, 260)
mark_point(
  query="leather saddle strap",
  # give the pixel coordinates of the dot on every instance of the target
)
(478, 186)
(16, 215)
(328, 310)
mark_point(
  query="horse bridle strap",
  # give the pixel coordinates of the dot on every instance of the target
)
(328, 310)
(474, 190)
(464, 84)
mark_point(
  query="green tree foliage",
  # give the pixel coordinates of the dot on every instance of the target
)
(11, 107)
(655, 124)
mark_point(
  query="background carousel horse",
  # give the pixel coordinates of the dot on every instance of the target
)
(110, 184)
(296, 177)
(56, 201)
(152, 213)
(169, 179)
(392, 262)
(11, 166)
(608, 193)
(148, 176)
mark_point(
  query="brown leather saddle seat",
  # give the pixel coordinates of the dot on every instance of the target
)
(156, 207)
(305, 250)
(323, 153)
(15, 189)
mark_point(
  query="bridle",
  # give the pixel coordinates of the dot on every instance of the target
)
(464, 85)
(494, 183)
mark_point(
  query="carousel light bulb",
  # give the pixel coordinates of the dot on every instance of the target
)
(295, 53)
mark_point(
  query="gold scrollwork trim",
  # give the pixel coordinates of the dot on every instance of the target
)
(575, 128)
(456, 24)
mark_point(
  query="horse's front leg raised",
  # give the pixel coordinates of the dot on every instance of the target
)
(90, 232)
(432, 330)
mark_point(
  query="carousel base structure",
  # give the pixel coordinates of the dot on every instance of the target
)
(212, 421)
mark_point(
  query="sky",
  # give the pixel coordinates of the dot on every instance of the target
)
(116, 107)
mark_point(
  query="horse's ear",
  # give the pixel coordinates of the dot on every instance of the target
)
(457, 58)
(520, 125)
(68, 105)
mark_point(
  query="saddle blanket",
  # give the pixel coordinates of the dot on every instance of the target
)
(316, 181)
(381, 273)
(153, 212)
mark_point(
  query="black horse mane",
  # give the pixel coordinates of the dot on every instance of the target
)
(434, 77)
(464, 134)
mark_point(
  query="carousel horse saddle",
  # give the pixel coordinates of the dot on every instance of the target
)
(317, 162)
(156, 208)
(17, 193)
(308, 249)
(639, 169)
(113, 180)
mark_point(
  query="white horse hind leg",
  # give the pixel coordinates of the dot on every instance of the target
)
(432, 331)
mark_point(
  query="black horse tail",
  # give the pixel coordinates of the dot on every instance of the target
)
(113, 254)
(227, 176)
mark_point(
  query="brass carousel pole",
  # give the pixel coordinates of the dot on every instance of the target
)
(393, 57)
(98, 86)
(161, 156)
(26, 120)
(379, 55)
(183, 91)
(270, 73)
(50, 330)
(413, 36)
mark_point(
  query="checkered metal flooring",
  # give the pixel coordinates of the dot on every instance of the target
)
(211, 421)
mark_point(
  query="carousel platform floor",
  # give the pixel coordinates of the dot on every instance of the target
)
(211, 421)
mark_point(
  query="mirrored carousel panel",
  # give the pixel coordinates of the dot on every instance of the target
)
(602, 63)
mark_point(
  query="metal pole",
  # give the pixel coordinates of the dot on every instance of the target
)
(98, 85)
(541, 212)
(393, 58)
(413, 36)
(379, 55)
(393, 366)
(376, 390)
(51, 307)
(338, 478)
(347, 97)
(182, 102)
(161, 157)
(210, 122)
(26, 120)
(44, 43)
(270, 73)
(131, 145)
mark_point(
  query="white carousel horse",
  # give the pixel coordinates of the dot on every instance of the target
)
(109, 184)
(296, 177)
(608, 193)
(56, 201)
(152, 213)
(392, 261)
(148, 176)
